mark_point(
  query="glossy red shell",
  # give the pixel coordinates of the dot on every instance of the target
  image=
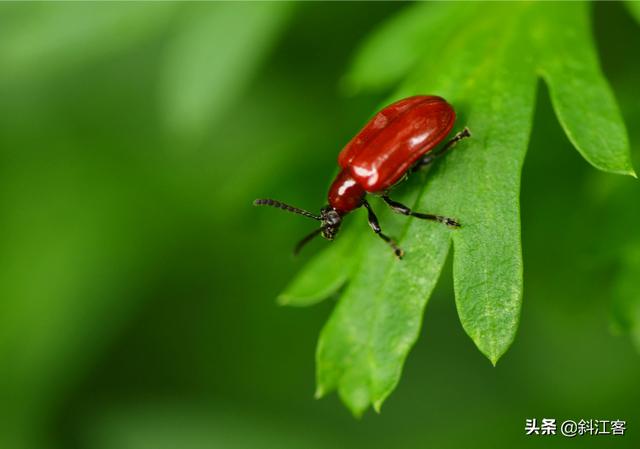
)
(395, 139)
(345, 194)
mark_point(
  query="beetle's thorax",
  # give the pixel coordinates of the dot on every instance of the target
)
(345, 194)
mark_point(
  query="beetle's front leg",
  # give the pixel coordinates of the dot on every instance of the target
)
(430, 157)
(404, 210)
(373, 222)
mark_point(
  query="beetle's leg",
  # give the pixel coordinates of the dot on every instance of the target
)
(306, 240)
(404, 210)
(430, 157)
(373, 222)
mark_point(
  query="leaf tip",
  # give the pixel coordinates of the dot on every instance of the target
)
(494, 356)
(357, 412)
(628, 170)
(377, 406)
(283, 300)
(320, 392)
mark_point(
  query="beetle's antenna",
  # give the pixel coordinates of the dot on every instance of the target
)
(281, 205)
(306, 240)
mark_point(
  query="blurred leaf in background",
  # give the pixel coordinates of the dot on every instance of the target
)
(212, 58)
(85, 197)
(618, 202)
(40, 39)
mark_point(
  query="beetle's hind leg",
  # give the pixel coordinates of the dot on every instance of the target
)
(373, 222)
(430, 157)
(404, 210)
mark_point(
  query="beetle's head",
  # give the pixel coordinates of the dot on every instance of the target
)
(329, 219)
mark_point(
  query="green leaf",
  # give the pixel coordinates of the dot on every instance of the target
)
(488, 69)
(363, 345)
(325, 274)
(386, 306)
(487, 264)
(213, 57)
(581, 97)
(398, 46)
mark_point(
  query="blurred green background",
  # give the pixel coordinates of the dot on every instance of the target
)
(137, 283)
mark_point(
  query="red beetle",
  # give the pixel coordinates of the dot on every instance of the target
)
(396, 140)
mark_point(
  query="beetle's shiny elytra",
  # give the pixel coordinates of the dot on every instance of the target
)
(398, 139)
(391, 143)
